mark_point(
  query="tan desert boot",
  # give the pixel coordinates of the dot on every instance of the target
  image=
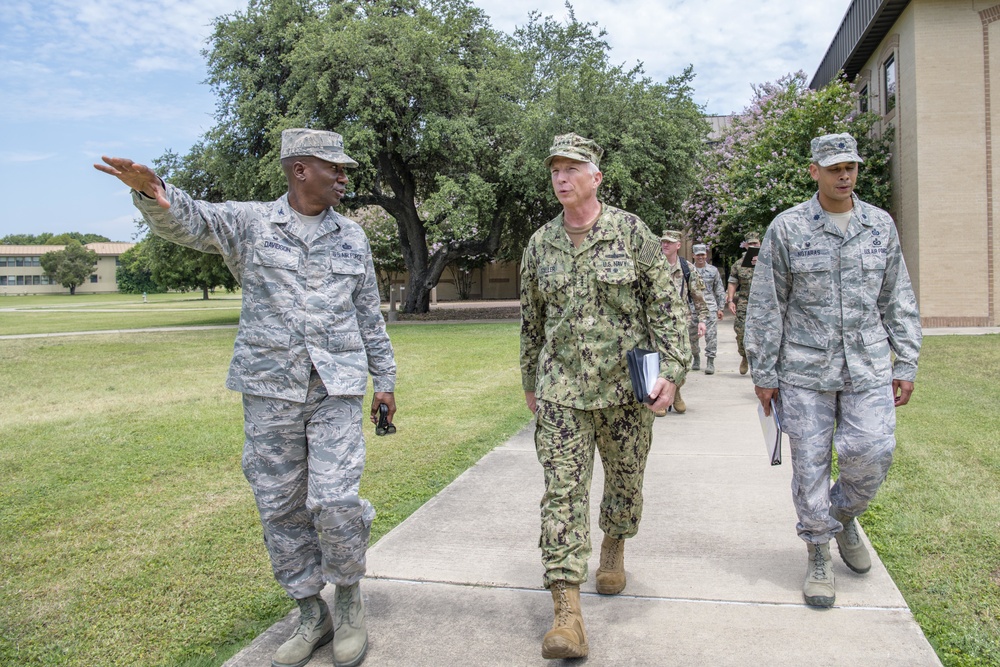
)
(567, 638)
(350, 641)
(611, 573)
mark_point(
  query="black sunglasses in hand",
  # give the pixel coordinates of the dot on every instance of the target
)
(384, 426)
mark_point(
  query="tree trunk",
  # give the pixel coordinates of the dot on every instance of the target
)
(204, 292)
(418, 293)
(72, 290)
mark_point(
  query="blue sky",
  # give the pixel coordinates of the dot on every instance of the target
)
(81, 78)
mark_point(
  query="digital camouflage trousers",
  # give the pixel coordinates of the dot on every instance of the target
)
(304, 463)
(711, 335)
(861, 426)
(565, 440)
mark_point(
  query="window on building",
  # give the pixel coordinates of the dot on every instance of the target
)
(889, 75)
(93, 277)
(3, 261)
(20, 280)
(3, 281)
(19, 261)
(45, 280)
(36, 280)
(118, 262)
(36, 261)
(863, 100)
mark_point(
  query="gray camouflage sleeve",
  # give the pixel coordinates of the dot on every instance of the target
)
(900, 316)
(367, 303)
(719, 290)
(766, 308)
(211, 228)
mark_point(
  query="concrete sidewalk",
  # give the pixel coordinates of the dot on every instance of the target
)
(714, 575)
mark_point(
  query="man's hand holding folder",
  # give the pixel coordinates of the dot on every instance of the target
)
(644, 370)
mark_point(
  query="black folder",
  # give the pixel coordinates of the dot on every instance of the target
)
(636, 363)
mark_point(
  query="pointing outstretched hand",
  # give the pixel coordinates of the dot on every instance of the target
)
(139, 177)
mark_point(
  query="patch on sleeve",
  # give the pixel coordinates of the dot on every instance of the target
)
(648, 253)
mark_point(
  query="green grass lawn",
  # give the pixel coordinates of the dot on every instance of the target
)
(101, 312)
(936, 521)
(129, 534)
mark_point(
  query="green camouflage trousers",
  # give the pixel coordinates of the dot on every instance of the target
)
(304, 463)
(740, 326)
(564, 441)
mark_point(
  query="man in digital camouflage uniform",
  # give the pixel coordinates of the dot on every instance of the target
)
(831, 301)
(692, 291)
(740, 278)
(715, 297)
(591, 280)
(310, 333)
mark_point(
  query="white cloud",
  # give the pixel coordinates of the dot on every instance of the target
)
(8, 156)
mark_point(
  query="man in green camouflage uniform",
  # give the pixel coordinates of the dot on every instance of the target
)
(593, 286)
(830, 304)
(310, 333)
(692, 291)
(740, 279)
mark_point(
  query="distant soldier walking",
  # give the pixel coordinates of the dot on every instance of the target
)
(688, 283)
(715, 298)
(830, 305)
(593, 286)
(310, 333)
(740, 278)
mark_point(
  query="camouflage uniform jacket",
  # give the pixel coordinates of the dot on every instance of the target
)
(697, 303)
(304, 305)
(822, 299)
(715, 290)
(583, 308)
(742, 277)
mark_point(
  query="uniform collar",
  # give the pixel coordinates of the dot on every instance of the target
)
(818, 218)
(555, 233)
(284, 216)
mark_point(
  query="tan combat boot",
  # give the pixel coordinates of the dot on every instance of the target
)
(696, 363)
(852, 549)
(680, 407)
(315, 630)
(611, 573)
(710, 366)
(818, 589)
(350, 641)
(744, 366)
(567, 638)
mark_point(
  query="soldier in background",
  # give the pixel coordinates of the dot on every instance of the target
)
(830, 304)
(591, 280)
(740, 278)
(310, 333)
(688, 283)
(715, 297)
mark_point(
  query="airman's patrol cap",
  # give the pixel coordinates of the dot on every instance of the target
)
(575, 147)
(834, 149)
(671, 235)
(752, 237)
(699, 249)
(328, 146)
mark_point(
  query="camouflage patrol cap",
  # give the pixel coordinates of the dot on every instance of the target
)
(575, 147)
(699, 249)
(328, 146)
(671, 235)
(834, 149)
(752, 237)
